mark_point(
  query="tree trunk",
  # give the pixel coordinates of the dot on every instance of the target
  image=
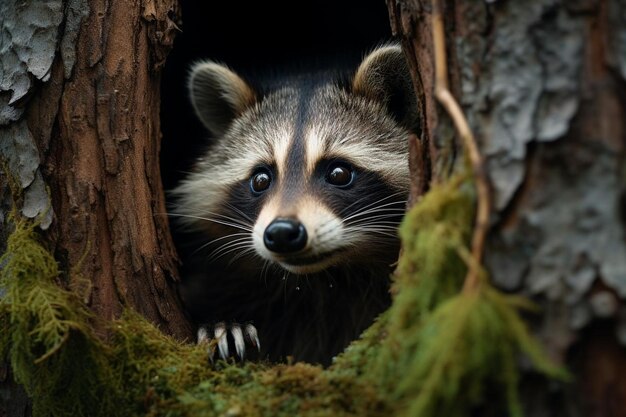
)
(543, 84)
(79, 116)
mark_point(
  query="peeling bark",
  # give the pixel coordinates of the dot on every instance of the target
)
(79, 116)
(543, 85)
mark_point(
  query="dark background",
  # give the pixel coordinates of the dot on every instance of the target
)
(255, 38)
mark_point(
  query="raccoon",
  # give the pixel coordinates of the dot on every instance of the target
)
(292, 212)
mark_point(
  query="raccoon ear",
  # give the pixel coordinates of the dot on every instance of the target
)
(384, 76)
(218, 95)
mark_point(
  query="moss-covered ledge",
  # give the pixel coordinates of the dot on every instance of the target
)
(438, 351)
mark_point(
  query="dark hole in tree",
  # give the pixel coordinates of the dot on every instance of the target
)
(257, 37)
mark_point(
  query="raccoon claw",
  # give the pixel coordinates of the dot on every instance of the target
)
(239, 338)
(222, 340)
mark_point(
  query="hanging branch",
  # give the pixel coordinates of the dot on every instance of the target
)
(445, 98)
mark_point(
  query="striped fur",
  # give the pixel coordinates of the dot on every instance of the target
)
(296, 133)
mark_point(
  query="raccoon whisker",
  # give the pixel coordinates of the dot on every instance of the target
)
(380, 236)
(241, 226)
(329, 226)
(376, 226)
(241, 221)
(331, 279)
(365, 228)
(285, 274)
(392, 195)
(244, 221)
(390, 224)
(381, 207)
(264, 271)
(230, 244)
(390, 221)
(239, 211)
(385, 217)
(386, 210)
(391, 230)
(381, 232)
(219, 238)
(388, 230)
(379, 221)
(241, 254)
(371, 204)
(227, 248)
(274, 271)
(185, 172)
(242, 241)
(324, 229)
(375, 215)
(244, 250)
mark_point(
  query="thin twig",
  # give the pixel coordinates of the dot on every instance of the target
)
(442, 93)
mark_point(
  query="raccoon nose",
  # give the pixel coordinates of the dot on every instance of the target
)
(285, 235)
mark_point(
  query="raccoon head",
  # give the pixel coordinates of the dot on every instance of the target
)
(309, 175)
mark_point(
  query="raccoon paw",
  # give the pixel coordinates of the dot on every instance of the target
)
(240, 336)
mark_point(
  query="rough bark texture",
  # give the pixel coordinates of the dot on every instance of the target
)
(79, 116)
(543, 83)
(79, 113)
(103, 159)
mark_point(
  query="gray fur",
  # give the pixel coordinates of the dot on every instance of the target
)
(294, 129)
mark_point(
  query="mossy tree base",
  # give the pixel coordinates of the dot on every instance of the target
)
(418, 358)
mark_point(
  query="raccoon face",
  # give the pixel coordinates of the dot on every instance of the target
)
(308, 176)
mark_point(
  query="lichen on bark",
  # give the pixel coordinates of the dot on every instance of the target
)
(31, 34)
(537, 86)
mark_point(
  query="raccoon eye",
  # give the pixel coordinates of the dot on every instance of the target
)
(260, 181)
(340, 175)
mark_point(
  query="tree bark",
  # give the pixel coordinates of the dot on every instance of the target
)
(543, 84)
(102, 159)
(79, 116)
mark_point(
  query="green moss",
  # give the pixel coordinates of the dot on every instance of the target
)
(447, 348)
(47, 337)
(67, 370)
(436, 351)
